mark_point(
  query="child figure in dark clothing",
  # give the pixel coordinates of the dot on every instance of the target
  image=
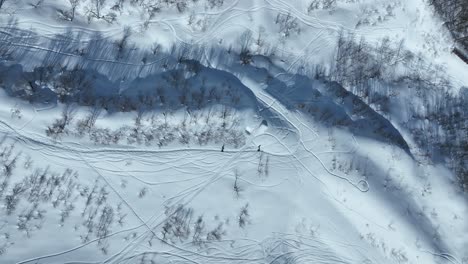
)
(258, 148)
(222, 148)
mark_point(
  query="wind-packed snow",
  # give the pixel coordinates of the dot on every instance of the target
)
(225, 132)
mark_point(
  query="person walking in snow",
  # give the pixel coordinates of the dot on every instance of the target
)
(222, 148)
(258, 148)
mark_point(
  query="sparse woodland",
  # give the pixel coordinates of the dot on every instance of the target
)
(34, 197)
(173, 123)
(455, 15)
(31, 194)
(366, 70)
(372, 72)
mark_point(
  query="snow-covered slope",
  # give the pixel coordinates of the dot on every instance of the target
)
(213, 131)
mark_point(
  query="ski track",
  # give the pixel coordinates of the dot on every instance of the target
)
(187, 195)
(299, 151)
(75, 248)
(77, 152)
(184, 196)
(264, 97)
(217, 26)
(197, 189)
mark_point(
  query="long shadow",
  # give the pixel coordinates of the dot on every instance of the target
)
(112, 74)
(119, 70)
(409, 211)
(331, 104)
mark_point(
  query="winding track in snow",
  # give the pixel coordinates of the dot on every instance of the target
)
(34, 140)
(272, 103)
(268, 100)
(184, 196)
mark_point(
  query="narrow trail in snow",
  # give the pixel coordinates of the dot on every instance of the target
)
(272, 103)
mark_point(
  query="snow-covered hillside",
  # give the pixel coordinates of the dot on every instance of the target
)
(231, 131)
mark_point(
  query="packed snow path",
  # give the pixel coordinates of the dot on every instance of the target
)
(298, 180)
(314, 193)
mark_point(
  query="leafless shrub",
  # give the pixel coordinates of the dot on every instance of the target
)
(72, 83)
(103, 228)
(58, 128)
(267, 166)
(237, 188)
(321, 4)
(245, 55)
(177, 224)
(12, 199)
(217, 233)
(104, 136)
(244, 217)
(96, 10)
(261, 165)
(455, 15)
(142, 192)
(287, 25)
(215, 3)
(26, 198)
(87, 124)
(122, 43)
(69, 14)
(198, 232)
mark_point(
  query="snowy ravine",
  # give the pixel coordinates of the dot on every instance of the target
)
(231, 131)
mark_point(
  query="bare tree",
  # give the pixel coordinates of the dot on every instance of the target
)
(315, 4)
(59, 125)
(74, 5)
(455, 14)
(321, 4)
(237, 189)
(86, 125)
(328, 4)
(97, 6)
(198, 230)
(287, 24)
(122, 43)
(215, 3)
(244, 216)
(217, 233)
(245, 54)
